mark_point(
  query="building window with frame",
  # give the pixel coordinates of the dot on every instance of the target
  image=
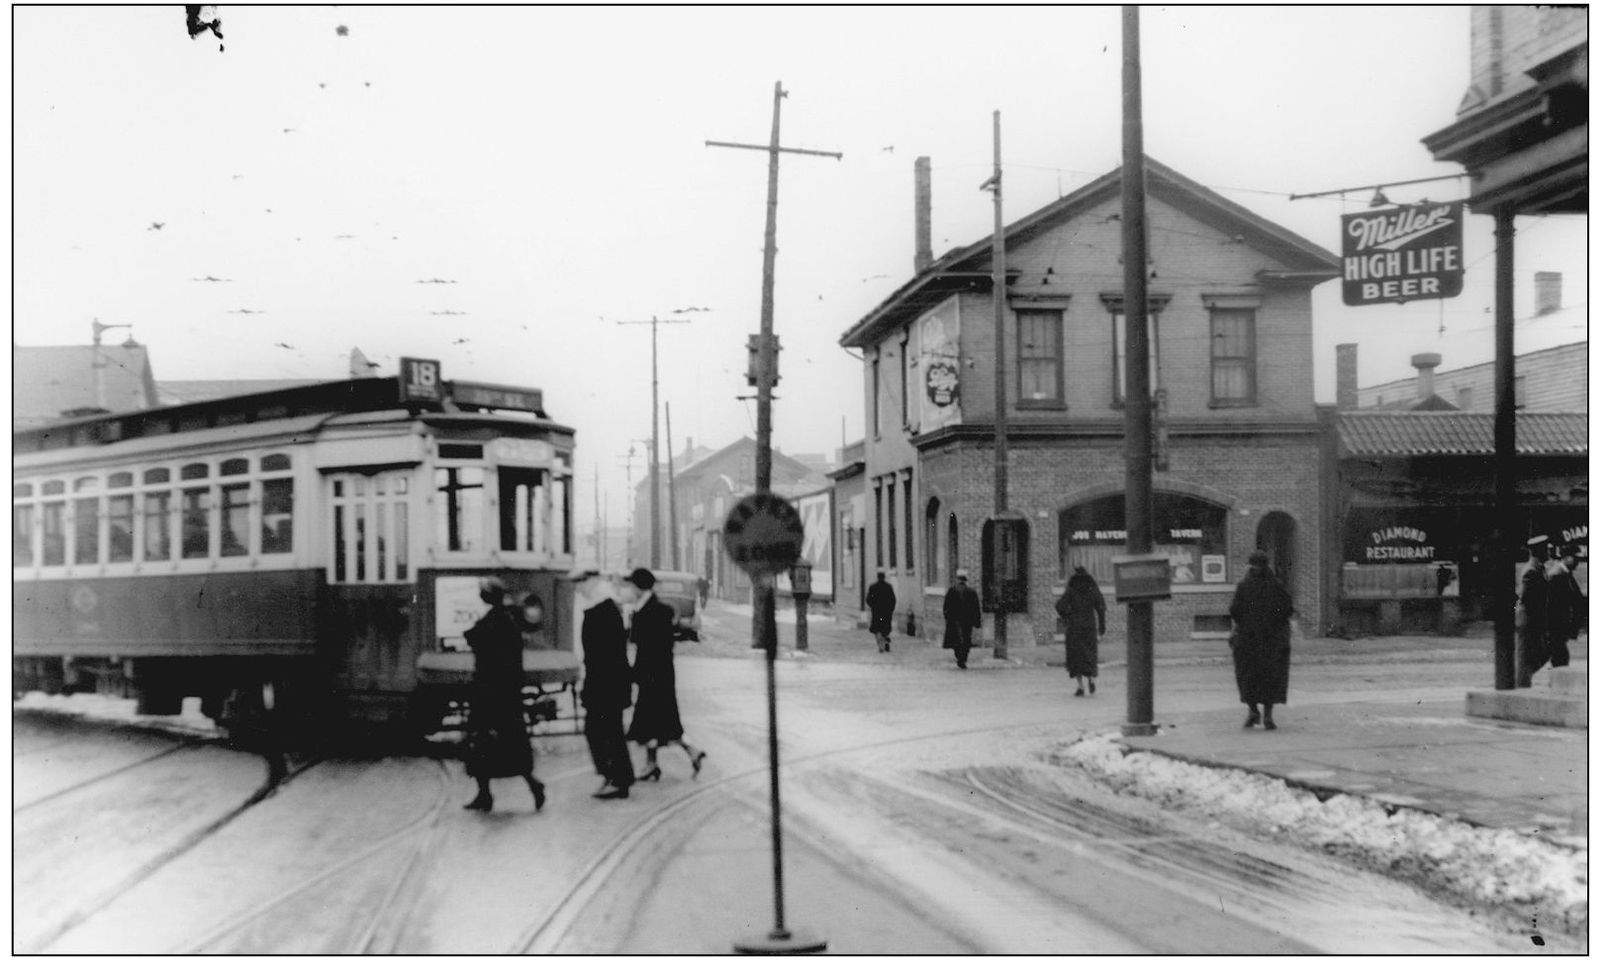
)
(877, 523)
(905, 388)
(911, 536)
(1039, 358)
(877, 393)
(930, 543)
(894, 552)
(1120, 353)
(1233, 348)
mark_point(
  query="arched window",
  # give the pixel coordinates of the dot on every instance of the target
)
(953, 548)
(930, 543)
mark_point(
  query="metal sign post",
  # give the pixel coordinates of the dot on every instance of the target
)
(764, 535)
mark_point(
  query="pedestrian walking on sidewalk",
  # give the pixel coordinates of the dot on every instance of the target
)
(1260, 640)
(606, 685)
(498, 744)
(1084, 621)
(1531, 612)
(962, 614)
(656, 720)
(1566, 605)
(880, 604)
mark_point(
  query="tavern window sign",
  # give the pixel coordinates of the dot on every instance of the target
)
(1403, 254)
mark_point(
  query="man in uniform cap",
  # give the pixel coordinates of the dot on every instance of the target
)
(1566, 605)
(1531, 612)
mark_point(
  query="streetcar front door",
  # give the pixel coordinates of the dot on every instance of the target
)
(366, 637)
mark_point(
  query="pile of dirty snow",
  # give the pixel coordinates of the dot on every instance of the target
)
(106, 707)
(1492, 867)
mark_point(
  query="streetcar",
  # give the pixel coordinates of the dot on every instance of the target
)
(303, 557)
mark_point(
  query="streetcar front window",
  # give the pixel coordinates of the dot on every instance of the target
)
(459, 492)
(523, 511)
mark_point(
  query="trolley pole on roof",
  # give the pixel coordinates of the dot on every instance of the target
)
(780, 939)
(654, 324)
(1137, 380)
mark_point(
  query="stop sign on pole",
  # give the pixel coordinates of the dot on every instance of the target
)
(763, 534)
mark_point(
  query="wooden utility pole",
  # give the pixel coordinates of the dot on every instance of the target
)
(1137, 380)
(1502, 539)
(780, 939)
(998, 541)
(654, 324)
(670, 489)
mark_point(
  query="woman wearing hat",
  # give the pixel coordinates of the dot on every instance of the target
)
(656, 720)
(1261, 640)
(1084, 617)
(498, 744)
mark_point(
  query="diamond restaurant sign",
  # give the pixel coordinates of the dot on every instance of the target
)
(1403, 254)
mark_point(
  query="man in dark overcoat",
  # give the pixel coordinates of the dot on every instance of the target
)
(606, 684)
(1261, 640)
(880, 604)
(1532, 614)
(1566, 606)
(962, 614)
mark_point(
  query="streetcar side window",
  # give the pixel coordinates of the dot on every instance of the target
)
(566, 527)
(234, 501)
(120, 518)
(522, 509)
(23, 515)
(459, 491)
(277, 503)
(195, 514)
(156, 539)
(86, 521)
(53, 524)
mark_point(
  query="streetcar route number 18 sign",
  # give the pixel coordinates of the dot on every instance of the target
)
(1403, 254)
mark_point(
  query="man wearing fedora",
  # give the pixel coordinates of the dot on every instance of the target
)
(962, 614)
(606, 684)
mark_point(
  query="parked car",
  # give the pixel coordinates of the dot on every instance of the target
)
(680, 590)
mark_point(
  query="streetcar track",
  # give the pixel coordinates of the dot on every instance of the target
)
(167, 856)
(257, 912)
(96, 779)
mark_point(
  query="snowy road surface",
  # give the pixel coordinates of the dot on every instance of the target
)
(924, 813)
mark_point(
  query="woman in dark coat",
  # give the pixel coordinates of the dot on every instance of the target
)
(1084, 615)
(498, 744)
(656, 719)
(1261, 640)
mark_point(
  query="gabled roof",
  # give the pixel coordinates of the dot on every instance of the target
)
(1381, 433)
(968, 266)
(49, 380)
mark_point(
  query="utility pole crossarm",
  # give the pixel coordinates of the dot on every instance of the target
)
(766, 147)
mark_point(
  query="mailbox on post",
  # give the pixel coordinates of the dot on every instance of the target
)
(1144, 577)
(800, 576)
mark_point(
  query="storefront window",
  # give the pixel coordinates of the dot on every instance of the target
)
(1188, 530)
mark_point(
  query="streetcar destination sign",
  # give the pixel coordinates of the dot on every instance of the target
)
(1403, 254)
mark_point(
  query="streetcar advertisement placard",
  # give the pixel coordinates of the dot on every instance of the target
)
(1403, 254)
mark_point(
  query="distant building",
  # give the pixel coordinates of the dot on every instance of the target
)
(705, 488)
(1549, 380)
(50, 382)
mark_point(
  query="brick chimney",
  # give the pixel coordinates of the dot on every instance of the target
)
(1547, 285)
(925, 208)
(1426, 363)
(1347, 376)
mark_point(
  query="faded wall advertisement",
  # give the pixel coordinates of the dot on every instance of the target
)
(816, 512)
(938, 376)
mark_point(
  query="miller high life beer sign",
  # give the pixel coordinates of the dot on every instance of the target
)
(1402, 254)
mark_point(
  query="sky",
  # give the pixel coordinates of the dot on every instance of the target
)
(500, 188)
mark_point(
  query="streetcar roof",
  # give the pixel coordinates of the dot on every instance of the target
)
(264, 413)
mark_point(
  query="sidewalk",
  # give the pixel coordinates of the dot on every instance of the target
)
(1429, 756)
